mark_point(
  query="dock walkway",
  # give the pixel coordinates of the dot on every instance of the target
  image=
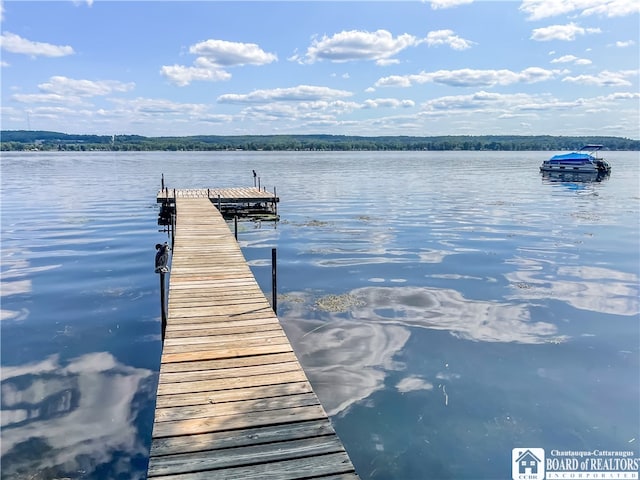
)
(233, 402)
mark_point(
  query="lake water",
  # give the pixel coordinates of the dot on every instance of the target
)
(447, 307)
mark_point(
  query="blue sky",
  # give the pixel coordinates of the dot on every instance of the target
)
(440, 67)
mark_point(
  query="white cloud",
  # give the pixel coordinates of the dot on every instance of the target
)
(318, 112)
(615, 8)
(32, 98)
(158, 106)
(467, 77)
(604, 79)
(15, 44)
(627, 43)
(478, 100)
(183, 76)
(438, 4)
(620, 96)
(519, 104)
(572, 59)
(566, 33)
(223, 53)
(357, 45)
(84, 88)
(214, 54)
(292, 94)
(448, 37)
(388, 102)
(71, 91)
(540, 9)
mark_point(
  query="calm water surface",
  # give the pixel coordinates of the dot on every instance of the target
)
(447, 307)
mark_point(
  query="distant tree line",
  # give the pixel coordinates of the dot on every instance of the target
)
(13, 140)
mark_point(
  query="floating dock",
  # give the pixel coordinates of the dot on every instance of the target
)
(233, 401)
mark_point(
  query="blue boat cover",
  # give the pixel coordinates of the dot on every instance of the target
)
(573, 156)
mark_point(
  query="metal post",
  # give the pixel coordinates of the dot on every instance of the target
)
(163, 304)
(274, 281)
(235, 226)
(258, 183)
(161, 267)
(275, 201)
(173, 229)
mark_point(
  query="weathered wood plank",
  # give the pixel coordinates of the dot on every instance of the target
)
(242, 456)
(225, 352)
(216, 343)
(235, 408)
(239, 438)
(252, 317)
(228, 363)
(212, 329)
(230, 422)
(236, 394)
(227, 383)
(307, 467)
(213, 374)
(256, 336)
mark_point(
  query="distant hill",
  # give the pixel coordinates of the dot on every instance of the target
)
(12, 140)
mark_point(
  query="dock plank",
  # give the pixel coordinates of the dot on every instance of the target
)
(307, 467)
(232, 400)
(256, 392)
(241, 456)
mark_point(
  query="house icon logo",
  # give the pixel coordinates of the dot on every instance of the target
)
(527, 464)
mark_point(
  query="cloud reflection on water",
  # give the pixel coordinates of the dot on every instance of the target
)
(447, 309)
(71, 419)
(595, 289)
(347, 358)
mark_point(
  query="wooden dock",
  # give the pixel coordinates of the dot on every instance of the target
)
(233, 402)
(240, 202)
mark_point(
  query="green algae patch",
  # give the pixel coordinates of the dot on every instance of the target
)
(338, 303)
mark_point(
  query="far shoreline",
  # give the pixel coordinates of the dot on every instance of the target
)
(37, 140)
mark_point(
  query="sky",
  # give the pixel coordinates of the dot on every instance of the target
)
(438, 67)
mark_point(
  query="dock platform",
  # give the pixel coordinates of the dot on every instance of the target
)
(251, 202)
(233, 401)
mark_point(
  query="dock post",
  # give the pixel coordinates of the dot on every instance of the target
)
(235, 226)
(274, 281)
(275, 203)
(163, 304)
(162, 182)
(173, 229)
(219, 204)
(162, 259)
